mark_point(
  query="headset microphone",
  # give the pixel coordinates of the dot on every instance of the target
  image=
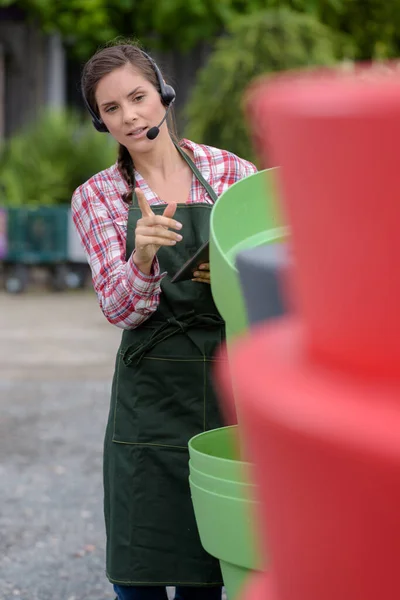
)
(154, 131)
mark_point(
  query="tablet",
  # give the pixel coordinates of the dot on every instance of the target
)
(202, 255)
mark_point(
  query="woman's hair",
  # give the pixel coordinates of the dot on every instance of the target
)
(103, 62)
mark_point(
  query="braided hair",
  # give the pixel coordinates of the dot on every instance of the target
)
(126, 168)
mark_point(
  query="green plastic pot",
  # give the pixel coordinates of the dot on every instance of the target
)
(226, 525)
(217, 453)
(223, 500)
(218, 485)
(245, 215)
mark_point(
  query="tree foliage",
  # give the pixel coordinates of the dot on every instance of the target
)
(264, 42)
(168, 24)
(374, 25)
(49, 159)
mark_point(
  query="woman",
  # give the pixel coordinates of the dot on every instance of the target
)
(140, 221)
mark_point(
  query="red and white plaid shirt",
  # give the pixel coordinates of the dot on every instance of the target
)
(127, 296)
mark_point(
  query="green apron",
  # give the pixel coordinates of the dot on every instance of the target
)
(162, 395)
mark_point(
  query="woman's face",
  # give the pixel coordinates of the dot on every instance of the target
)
(129, 105)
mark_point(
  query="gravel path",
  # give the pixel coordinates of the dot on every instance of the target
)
(57, 354)
(56, 357)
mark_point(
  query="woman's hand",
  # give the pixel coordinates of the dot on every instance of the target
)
(152, 232)
(202, 275)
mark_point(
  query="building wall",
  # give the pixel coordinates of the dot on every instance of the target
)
(25, 66)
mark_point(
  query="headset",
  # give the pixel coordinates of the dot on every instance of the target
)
(167, 94)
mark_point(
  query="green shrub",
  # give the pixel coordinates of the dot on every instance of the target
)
(263, 42)
(48, 159)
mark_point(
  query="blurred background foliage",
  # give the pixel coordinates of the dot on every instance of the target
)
(44, 162)
(374, 25)
(50, 158)
(263, 42)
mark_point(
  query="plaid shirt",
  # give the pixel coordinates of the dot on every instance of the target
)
(127, 296)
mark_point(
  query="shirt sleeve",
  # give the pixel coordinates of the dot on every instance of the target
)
(126, 296)
(246, 168)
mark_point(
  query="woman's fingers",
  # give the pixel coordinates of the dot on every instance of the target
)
(157, 231)
(153, 230)
(170, 210)
(202, 275)
(143, 204)
(165, 219)
(153, 220)
(143, 241)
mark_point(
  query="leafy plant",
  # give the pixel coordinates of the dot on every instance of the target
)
(44, 163)
(374, 25)
(260, 43)
(166, 25)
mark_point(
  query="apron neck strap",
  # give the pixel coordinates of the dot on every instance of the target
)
(195, 172)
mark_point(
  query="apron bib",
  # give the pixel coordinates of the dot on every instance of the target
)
(162, 395)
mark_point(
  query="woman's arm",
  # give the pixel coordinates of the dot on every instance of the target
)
(126, 296)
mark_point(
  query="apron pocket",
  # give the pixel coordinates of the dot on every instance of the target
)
(165, 396)
(161, 401)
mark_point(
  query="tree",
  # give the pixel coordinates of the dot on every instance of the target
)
(168, 24)
(267, 41)
(374, 25)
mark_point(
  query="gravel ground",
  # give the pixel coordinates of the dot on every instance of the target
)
(56, 359)
(52, 538)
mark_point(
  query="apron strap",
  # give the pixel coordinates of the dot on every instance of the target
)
(130, 232)
(134, 353)
(197, 173)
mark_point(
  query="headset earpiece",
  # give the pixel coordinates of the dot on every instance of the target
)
(99, 125)
(168, 94)
(97, 122)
